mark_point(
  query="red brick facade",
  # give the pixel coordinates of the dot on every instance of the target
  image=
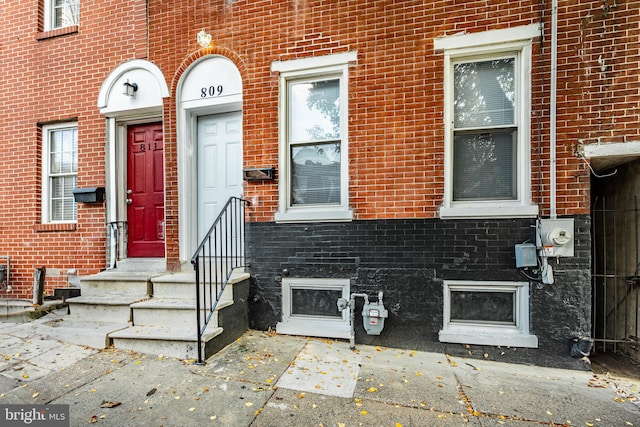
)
(396, 98)
(48, 77)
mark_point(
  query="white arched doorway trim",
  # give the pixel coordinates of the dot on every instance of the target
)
(121, 111)
(211, 85)
(152, 87)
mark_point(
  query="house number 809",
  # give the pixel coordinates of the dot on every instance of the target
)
(211, 91)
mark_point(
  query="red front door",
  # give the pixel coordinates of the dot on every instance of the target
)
(145, 191)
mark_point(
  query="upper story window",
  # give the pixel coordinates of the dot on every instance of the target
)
(313, 139)
(60, 172)
(487, 123)
(61, 13)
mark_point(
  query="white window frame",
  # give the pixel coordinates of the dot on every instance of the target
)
(334, 66)
(511, 42)
(49, 15)
(315, 326)
(46, 166)
(516, 335)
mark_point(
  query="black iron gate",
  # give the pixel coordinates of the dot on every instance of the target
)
(616, 273)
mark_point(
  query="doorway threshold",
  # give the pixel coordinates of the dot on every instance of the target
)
(141, 264)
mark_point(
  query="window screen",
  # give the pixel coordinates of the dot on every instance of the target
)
(315, 302)
(63, 169)
(483, 307)
(314, 137)
(65, 13)
(485, 132)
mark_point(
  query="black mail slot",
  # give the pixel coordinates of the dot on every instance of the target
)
(89, 195)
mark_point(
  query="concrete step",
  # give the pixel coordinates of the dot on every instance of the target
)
(182, 285)
(106, 307)
(118, 282)
(172, 342)
(179, 313)
(60, 326)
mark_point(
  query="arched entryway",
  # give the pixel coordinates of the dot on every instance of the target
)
(209, 128)
(131, 98)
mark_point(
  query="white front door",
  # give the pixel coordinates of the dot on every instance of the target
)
(219, 165)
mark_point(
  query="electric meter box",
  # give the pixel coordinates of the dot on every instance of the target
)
(373, 315)
(556, 237)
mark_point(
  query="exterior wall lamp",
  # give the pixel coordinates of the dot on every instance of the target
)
(204, 39)
(130, 89)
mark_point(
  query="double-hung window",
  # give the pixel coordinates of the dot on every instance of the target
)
(61, 13)
(313, 145)
(487, 123)
(60, 172)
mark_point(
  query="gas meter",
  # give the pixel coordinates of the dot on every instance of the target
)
(373, 315)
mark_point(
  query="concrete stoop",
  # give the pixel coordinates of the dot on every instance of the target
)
(151, 312)
(166, 324)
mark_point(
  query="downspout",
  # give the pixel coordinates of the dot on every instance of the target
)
(112, 215)
(552, 107)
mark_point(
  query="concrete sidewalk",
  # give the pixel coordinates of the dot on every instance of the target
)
(273, 380)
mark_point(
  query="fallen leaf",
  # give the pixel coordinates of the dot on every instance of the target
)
(93, 419)
(150, 392)
(372, 389)
(364, 412)
(248, 404)
(192, 409)
(107, 404)
(549, 413)
(36, 394)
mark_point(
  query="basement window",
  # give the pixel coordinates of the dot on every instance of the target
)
(487, 313)
(309, 307)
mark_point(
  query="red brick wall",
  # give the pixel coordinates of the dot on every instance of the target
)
(598, 87)
(396, 129)
(395, 91)
(396, 99)
(48, 77)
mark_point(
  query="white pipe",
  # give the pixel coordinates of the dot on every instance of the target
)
(552, 107)
(112, 214)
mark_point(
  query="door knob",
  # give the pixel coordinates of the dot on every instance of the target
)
(129, 191)
(129, 201)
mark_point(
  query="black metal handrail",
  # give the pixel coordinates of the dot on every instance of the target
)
(220, 252)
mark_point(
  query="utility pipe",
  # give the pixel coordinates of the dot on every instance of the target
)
(352, 306)
(112, 213)
(552, 107)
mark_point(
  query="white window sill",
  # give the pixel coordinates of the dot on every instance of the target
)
(315, 215)
(479, 211)
(486, 336)
(315, 328)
